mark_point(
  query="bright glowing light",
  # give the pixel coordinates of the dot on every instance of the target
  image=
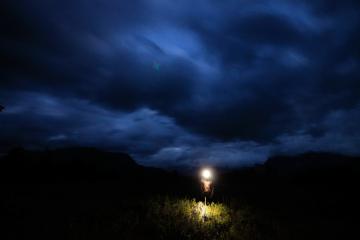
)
(206, 174)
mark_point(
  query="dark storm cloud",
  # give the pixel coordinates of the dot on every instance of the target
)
(281, 57)
(77, 50)
(186, 81)
(51, 121)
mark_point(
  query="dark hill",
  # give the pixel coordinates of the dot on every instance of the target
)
(87, 165)
(310, 161)
(308, 170)
(314, 167)
(65, 164)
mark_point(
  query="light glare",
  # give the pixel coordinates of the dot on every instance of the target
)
(206, 173)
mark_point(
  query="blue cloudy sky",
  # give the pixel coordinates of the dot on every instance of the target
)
(180, 82)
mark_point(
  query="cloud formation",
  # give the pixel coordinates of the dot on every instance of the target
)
(225, 82)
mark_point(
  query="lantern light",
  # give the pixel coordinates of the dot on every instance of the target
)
(207, 186)
(206, 174)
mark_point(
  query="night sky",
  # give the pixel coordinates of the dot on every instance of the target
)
(181, 82)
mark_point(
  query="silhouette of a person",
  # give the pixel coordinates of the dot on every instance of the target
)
(1, 108)
(207, 187)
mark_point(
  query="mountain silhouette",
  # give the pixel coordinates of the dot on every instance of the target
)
(89, 165)
(66, 164)
(314, 166)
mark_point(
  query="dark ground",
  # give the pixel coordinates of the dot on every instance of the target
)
(83, 193)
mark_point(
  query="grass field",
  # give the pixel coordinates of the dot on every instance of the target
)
(168, 218)
(95, 213)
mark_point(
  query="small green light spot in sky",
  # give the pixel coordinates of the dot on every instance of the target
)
(156, 66)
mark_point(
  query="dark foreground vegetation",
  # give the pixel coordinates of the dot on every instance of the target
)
(84, 193)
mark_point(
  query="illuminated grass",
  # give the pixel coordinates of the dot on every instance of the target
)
(188, 219)
(172, 218)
